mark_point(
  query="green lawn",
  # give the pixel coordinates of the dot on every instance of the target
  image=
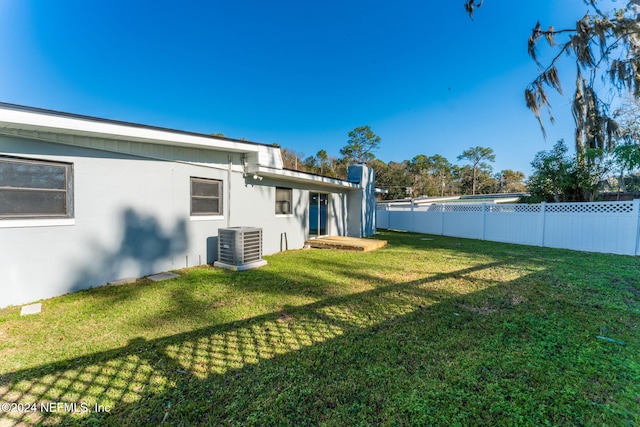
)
(423, 332)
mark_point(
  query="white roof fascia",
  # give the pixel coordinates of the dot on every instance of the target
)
(296, 176)
(28, 120)
(506, 200)
(433, 200)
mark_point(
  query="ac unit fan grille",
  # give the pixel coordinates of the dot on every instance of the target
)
(239, 245)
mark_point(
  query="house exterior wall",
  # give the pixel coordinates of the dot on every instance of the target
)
(132, 217)
(253, 204)
(362, 206)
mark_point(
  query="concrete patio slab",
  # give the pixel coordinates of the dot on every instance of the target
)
(125, 281)
(346, 243)
(162, 276)
(31, 309)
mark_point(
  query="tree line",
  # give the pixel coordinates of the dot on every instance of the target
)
(420, 176)
(557, 175)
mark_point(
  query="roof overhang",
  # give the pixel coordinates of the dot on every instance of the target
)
(295, 176)
(262, 160)
(24, 118)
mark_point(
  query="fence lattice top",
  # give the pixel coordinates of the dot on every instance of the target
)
(577, 208)
(521, 208)
(598, 207)
(463, 208)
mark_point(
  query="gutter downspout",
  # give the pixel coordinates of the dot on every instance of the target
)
(228, 204)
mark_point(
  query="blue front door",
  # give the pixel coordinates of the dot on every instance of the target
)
(318, 214)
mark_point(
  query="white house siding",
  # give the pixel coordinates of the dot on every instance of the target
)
(253, 204)
(131, 217)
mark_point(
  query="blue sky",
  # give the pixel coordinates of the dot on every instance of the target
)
(426, 78)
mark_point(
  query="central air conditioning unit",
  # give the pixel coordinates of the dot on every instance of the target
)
(240, 248)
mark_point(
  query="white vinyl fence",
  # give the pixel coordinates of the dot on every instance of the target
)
(610, 227)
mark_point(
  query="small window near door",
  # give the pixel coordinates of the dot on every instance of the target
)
(284, 197)
(206, 196)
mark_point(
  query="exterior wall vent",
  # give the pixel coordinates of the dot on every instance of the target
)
(240, 248)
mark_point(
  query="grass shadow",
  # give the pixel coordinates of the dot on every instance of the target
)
(484, 344)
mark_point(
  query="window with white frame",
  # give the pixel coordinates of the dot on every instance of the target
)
(35, 188)
(206, 196)
(284, 197)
